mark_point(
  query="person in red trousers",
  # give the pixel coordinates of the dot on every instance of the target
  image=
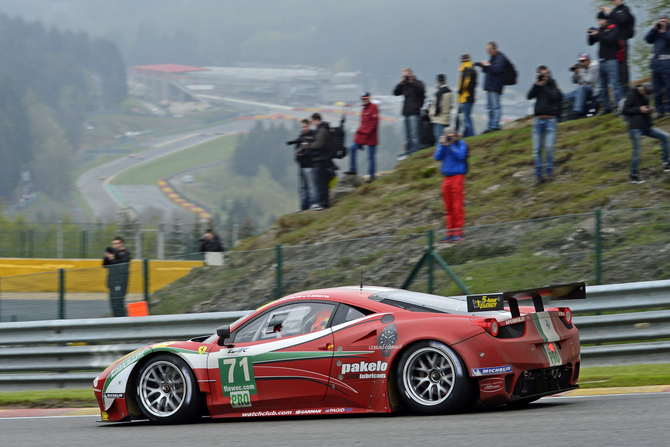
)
(453, 153)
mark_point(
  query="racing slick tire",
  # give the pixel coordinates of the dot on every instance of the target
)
(432, 379)
(167, 391)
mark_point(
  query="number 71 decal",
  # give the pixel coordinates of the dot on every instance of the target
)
(237, 375)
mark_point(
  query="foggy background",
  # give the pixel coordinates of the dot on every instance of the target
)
(376, 37)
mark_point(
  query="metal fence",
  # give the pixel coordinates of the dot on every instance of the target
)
(598, 247)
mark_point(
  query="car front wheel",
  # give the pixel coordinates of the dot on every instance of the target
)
(432, 379)
(167, 391)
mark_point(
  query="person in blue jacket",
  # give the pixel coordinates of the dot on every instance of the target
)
(453, 153)
(493, 84)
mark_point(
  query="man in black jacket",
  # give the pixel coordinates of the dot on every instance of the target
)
(636, 108)
(608, 36)
(547, 110)
(415, 93)
(319, 150)
(621, 16)
(117, 261)
(211, 246)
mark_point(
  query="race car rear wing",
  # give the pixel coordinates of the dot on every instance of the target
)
(496, 301)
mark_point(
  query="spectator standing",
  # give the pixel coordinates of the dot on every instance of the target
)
(366, 135)
(117, 261)
(636, 108)
(659, 36)
(440, 107)
(453, 153)
(306, 167)
(610, 45)
(414, 92)
(585, 75)
(548, 99)
(211, 246)
(493, 84)
(467, 82)
(320, 153)
(621, 16)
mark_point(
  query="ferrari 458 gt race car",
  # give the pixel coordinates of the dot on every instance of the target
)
(355, 350)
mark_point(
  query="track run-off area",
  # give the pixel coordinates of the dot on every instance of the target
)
(636, 416)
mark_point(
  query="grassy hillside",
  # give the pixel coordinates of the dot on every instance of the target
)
(514, 238)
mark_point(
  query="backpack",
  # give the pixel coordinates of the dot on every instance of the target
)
(337, 147)
(509, 73)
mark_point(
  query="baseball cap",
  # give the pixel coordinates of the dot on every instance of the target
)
(583, 56)
(365, 95)
(663, 16)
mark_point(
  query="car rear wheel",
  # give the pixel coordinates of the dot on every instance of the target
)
(167, 391)
(432, 379)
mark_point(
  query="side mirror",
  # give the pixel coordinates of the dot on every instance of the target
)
(223, 332)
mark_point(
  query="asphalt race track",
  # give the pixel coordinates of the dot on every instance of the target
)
(617, 420)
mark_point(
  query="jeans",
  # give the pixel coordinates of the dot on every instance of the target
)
(437, 131)
(372, 166)
(544, 129)
(468, 128)
(493, 107)
(661, 81)
(609, 75)
(635, 136)
(308, 188)
(579, 98)
(412, 133)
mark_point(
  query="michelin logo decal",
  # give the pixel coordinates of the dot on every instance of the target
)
(476, 372)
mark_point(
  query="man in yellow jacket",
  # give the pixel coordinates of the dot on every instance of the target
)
(467, 82)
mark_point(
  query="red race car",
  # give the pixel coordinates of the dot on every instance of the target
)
(355, 350)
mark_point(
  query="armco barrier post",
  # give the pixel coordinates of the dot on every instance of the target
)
(278, 275)
(597, 247)
(61, 294)
(146, 281)
(83, 244)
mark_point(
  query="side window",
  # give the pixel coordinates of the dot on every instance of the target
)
(347, 313)
(287, 321)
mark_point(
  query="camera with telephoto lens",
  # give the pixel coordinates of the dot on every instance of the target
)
(541, 77)
(593, 28)
(574, 67)
(110, 250)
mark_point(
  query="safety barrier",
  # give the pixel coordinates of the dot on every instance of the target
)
(36, 355)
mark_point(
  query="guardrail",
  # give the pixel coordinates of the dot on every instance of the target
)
(34, 355)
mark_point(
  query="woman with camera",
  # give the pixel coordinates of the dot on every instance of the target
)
(453, 153)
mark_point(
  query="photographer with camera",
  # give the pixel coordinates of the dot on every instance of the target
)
(117, 261)
(212, 248)
(636, 109)
(415, 93)
(307, 183)
(621, 16)
(453, 153)
(659, 36)
(585, 75)
(548, 100)
(610, 51)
